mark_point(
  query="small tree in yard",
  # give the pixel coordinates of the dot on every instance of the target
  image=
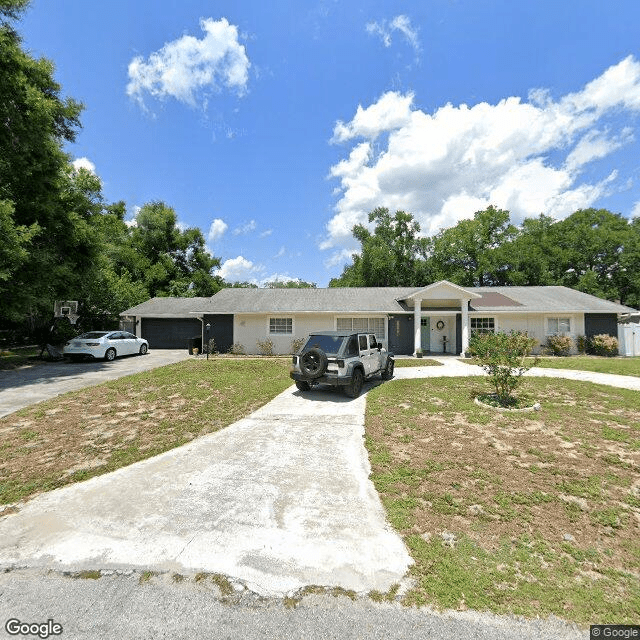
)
(502, 356)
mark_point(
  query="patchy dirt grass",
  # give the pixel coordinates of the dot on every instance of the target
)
(525, 513)
(100, 429)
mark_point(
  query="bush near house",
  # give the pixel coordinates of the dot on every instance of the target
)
(581, 344)
(502, 356)
(237, 349)
(604, 345)
(559, 345)
(265, 347)
(296, 345)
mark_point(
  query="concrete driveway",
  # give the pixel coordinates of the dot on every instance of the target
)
(277, 501)
(33, 383)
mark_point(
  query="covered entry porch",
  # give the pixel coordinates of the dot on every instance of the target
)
(441, 318)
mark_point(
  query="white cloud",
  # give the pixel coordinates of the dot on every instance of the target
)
(187, 68)
(132, 218)
(239, 270)
(84, 163)
(635, 212)
(444, 166)
(391, 111)
(244, 229)
(217, 229)
(266, 233)
(385, 30)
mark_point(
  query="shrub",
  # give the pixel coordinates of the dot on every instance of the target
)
(559, 345)
(212, 346)
(297, 344)
(604, 345)
(502, 356)
(237, 349)
(582, 343)
(265, 347)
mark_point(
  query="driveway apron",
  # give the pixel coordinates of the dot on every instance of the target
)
(31, 384)
(277, 501)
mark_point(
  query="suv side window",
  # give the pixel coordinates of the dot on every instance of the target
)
(352, 347)
(363, 343)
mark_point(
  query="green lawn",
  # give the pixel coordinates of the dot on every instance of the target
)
(417, 362)
(18, 356)
(531, 514)
(99, 429)
(621, 366)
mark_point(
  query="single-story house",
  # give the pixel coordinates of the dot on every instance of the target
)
(437, 318)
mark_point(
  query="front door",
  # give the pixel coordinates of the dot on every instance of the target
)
(425, 334)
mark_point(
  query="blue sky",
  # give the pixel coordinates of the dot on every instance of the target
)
(276, 126)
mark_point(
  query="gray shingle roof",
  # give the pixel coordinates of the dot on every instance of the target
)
(380, 300)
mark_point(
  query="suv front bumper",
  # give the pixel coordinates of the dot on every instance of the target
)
(327, 378)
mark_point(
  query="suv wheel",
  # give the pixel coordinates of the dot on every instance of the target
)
(387, 374)
(313, 363)
(353, 390)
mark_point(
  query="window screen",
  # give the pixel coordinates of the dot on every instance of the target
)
(363, 325)
(280, 325)
(482, 325)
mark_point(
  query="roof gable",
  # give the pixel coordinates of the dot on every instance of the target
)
(443, 290)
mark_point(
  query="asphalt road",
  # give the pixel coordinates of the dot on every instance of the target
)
(119, 606)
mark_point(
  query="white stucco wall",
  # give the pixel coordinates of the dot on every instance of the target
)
(249, 328)
(536, 325)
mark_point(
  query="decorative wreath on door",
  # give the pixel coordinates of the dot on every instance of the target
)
(440, 325)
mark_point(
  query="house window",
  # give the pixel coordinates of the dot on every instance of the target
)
(483, 325)
(280, 325)
(558, 326)
(363, 325)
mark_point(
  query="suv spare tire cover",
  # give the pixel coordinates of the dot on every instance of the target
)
(313, 363)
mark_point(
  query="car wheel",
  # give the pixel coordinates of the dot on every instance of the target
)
(353, 390)
(143, 349)
(110, 354)
(387, 374)
(303, 385)
(313, 363)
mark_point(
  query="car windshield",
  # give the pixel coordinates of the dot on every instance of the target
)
(94, 334)
(329, 344)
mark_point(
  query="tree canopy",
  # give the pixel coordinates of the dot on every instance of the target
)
(592, 250)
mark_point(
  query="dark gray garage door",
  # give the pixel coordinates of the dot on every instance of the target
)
(170, 333)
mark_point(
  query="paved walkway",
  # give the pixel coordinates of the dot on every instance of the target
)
(34, 383)
(452, 366)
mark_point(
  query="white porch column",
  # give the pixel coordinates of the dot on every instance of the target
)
(464, 305)
(417, 316)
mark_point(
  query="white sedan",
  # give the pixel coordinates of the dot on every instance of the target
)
(105, 344)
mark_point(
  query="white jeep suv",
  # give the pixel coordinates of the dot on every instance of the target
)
(341, 359)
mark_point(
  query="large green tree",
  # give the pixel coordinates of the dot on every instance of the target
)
(36, 181)
(590, 243)
(392, 255)
(168, 260)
